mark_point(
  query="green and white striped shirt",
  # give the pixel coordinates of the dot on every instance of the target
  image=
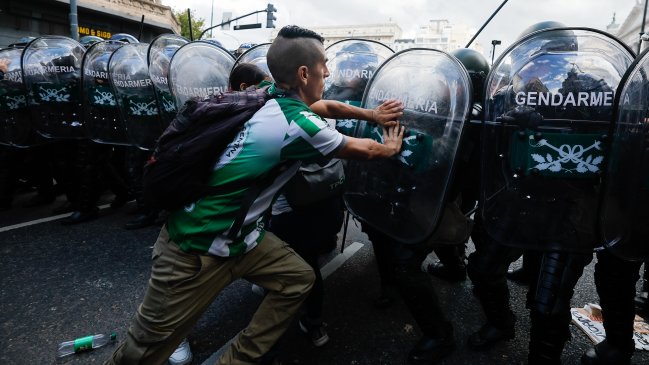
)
(283, 130)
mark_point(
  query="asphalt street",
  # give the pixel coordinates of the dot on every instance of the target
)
(63, 282)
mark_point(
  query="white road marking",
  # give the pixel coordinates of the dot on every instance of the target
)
(340, 259)
(42, 220)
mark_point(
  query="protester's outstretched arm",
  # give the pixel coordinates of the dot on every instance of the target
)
(385, 114)
(369, 149)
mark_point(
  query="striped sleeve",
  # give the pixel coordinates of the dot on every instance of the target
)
(309, 137)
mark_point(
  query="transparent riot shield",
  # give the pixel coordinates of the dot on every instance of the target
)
(403, 196)
(548, 109)
(129, 75)
(190, 76)
(161, 50)
(257, 56)
(52, 73)
(16, 127)
(624, 214)
(101, 114)
(351, 63)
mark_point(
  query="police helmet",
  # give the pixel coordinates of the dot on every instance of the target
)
(22, 42)
(214, 41)
(243, 47)
(357, 47)
(478, 68)
(124, 37)
(89, 40)
(355, 63)
(563, 40)
(548, 24)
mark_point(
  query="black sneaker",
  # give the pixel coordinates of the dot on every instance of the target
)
(519, 276)
(318, 333)
(451, 273)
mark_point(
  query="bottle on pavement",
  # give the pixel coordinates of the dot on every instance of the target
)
(84, 344)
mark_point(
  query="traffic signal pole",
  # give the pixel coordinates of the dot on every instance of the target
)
(270, 9)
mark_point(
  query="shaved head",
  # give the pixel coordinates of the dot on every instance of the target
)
(294, 47)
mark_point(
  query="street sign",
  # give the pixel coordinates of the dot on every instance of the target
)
(247, 26)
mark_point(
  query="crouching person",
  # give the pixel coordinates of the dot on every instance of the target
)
(196, 256)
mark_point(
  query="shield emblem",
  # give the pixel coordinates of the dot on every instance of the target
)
(548, 109)
(403, 196)
(129, 76)
(16, 127)
(161, 50)
(623, 211)
(190, 78)
(52, 74)
(351, 64)
(100, 111)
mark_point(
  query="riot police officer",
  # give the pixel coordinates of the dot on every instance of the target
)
(96, 170)
(389, 197)
(451, 265)
(543, 203)
(623, 217)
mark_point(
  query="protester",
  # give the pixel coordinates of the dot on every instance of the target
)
(193, 260)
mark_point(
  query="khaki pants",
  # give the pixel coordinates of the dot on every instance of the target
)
(183, 285)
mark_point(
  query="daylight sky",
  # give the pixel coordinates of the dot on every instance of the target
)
(514, 17)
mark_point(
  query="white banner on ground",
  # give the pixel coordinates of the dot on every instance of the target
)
(589, 320)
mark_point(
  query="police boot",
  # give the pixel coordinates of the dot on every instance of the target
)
(606, 354)
(451, 273)
(548, 336)
(142, 220)
(431, 350)
(6, 180)
(615, 280)
(493, 332)
(451, 265)
(500, 320)
(81, 216)
(89, 185)
(519, 276)
(523, 274)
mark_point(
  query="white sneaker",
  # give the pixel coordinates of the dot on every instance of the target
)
(182, 355)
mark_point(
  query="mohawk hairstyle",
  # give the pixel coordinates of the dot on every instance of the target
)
(292, 48)
(293, 31)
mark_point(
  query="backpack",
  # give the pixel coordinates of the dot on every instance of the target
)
(314, 183)
(177, 172)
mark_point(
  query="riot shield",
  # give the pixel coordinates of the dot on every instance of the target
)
(52, 73)
(15, 121)
(101, 114)
(257, 56)
(161, 50)
(351, 63)
(548, 109)
(199, 69)
(403, 196)
(623, 213)
(129, 76)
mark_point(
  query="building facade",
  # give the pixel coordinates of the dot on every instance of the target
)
(437, 34)
(629, 31)
(386, 33)
(23, 18)
(443, 35)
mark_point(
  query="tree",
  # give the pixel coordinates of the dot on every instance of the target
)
(198, 24)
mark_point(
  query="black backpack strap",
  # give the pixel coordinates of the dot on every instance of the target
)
(250, 197)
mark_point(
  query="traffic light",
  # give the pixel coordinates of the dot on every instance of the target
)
(270, 17)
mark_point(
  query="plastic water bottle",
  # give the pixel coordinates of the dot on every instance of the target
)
(84, 344)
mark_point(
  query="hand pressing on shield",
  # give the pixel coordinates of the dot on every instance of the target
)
(387, 113)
